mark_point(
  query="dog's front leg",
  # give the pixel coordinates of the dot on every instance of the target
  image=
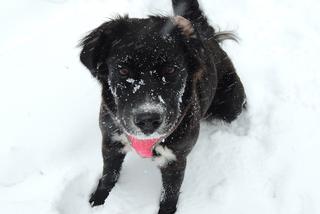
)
(112, 160)
(172, 177)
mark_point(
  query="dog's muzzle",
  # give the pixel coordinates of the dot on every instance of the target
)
(148, 122)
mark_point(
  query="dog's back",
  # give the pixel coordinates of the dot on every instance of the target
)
(226, 99)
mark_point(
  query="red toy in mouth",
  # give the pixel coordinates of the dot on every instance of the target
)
(143, 146)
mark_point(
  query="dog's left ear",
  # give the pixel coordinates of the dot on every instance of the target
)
(96, 45)
(185, 26)
(192, 40)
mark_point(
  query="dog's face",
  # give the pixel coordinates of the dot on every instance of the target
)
(144, 67)
(147, 77)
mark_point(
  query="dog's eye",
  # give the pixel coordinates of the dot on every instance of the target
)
(168, 71)
(124, 72)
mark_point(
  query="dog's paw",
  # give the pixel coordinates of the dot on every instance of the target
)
(98, 198)
(167, 210)
(162, 211)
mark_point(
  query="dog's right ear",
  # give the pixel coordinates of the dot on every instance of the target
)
(91, 48)
(96, 45)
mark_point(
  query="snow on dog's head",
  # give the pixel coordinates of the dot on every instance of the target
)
(146, 72)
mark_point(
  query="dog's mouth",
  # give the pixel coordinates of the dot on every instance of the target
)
(143, 147)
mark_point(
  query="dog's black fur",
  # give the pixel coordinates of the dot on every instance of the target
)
(155, 60)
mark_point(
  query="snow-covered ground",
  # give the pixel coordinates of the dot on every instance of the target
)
(266, 162)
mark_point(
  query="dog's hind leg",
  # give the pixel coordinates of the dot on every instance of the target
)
(230, 98)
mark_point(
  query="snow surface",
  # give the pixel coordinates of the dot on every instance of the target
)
(266, 162)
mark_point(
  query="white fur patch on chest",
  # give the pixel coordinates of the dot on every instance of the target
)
(166, 156)
(124, 140)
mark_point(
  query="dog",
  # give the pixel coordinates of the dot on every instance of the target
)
(160, 76)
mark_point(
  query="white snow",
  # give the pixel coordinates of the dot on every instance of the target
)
(164, 80)
(130, 80)
(265, 162)
(136, 88)
(137, 84)
(161, 99)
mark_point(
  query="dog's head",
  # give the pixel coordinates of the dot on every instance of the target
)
(146, 68)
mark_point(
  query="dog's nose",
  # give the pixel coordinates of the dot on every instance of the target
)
(148, 122)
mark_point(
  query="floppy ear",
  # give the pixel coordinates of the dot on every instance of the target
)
(91, 49)
(96, 45)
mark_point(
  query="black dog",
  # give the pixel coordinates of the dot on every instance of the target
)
(160, 76)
